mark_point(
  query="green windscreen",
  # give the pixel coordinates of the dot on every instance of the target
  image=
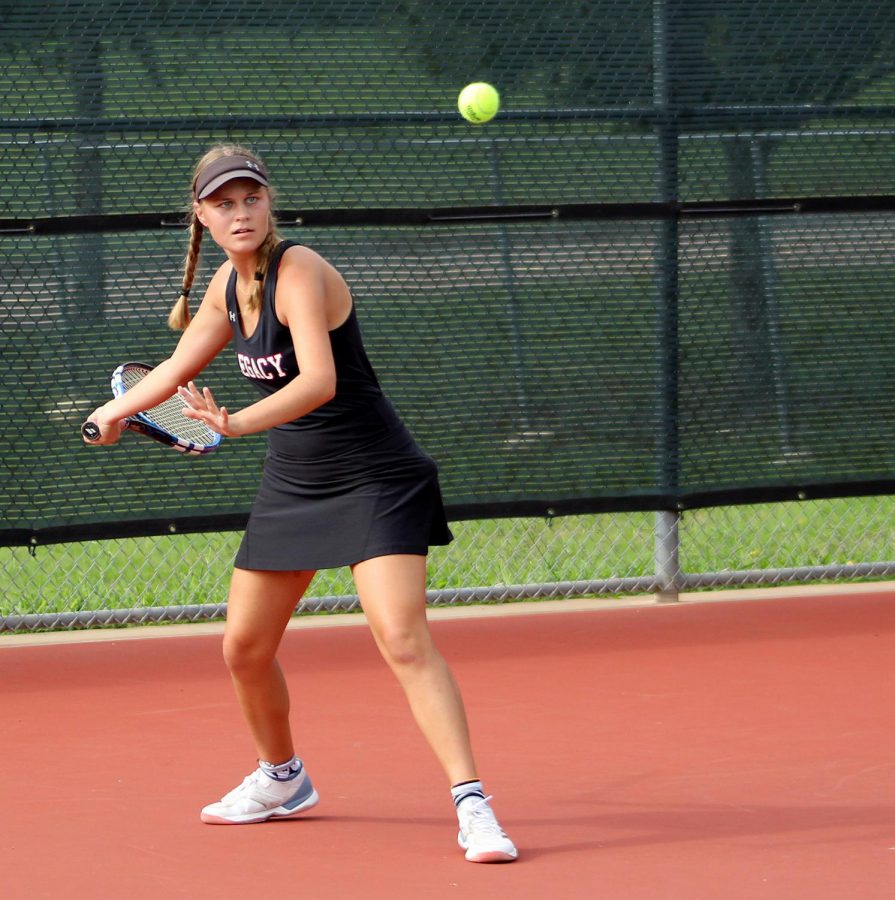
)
(661, 277)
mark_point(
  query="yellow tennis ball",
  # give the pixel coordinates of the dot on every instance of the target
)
(478, 102)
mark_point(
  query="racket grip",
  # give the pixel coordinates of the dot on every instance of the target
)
(90, 431)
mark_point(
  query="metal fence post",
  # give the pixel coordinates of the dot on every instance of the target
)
(667, 556)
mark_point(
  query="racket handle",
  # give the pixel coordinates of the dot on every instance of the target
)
(90, 431)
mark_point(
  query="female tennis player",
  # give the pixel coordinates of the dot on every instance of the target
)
(344, 483)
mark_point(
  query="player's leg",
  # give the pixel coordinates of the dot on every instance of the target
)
(393, 596)
(258, 609)
(392, 592)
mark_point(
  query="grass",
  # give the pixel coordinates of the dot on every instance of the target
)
(193, 569)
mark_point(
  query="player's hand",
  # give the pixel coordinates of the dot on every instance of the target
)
(201, 405)
(109, 429)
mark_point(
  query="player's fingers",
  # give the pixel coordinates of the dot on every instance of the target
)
(209, 398)
(190, 395)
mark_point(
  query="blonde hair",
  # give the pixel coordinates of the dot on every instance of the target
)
(180, 316)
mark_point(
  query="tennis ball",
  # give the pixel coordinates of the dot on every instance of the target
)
(478, 102)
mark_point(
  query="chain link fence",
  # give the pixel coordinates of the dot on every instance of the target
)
(661, 280)
(183, 578)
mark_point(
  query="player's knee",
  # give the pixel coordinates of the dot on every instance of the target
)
(404, 648)
(245, 656)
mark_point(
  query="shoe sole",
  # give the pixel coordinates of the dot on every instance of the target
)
(495, 856)
(279, 812)
(487, 856)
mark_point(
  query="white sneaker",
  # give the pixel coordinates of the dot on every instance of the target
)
(480, 834)
(259, 798)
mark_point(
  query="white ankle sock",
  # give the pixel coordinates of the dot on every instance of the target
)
(281, 771)
(467, 790)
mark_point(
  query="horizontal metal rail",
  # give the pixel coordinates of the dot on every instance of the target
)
(647, 584)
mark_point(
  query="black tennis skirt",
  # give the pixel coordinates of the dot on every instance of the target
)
(355, 488)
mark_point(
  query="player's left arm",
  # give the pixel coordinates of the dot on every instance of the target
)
(302, 305)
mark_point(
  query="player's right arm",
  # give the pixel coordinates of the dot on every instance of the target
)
(207, 334)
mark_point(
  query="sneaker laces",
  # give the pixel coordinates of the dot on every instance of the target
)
(252, 779)
(247, 783)
(480, 817)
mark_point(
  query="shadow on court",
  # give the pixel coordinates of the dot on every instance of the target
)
(701, 750)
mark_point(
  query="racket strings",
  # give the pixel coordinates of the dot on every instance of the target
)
(168, 415)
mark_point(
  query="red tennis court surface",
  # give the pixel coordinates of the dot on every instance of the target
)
(733, 749)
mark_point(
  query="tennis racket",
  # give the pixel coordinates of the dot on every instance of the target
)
(164, 423)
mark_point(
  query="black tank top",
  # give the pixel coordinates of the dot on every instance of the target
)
(267, 358)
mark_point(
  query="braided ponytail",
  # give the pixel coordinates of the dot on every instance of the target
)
(265, 251)
(179, 317)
